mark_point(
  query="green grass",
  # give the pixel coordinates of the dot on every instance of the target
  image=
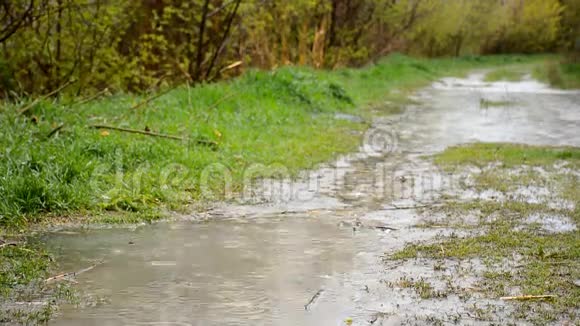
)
(423, 288)
(555, 71)
(559, 75)
(505, 74)
(23, 271)
(498, 243)
(509, 155)
(17, 271)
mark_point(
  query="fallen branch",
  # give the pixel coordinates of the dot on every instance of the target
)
(217, 10)
(392, 265)
(62, 276)
(313, 299)
(59, 277)
(218, 102)
(55, 130)
(32, 303)
(9, 244)
(229, 67)
(154, 134)
(90, 98)
(135, 131)
(151, 98)
(385, 228)
(529, 297)
(564, 262)
(395, 208)
(288, 212)
(33, 103)
(232, 66)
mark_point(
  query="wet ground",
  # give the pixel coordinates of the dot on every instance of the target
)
(310, 251)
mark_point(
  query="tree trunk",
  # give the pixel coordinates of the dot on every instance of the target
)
(196, 74)
(224, 38)
(303, 51)
(319, 42)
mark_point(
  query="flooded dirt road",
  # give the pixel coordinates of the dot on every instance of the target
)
(310, 252)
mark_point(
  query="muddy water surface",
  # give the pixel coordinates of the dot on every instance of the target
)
(261, 264)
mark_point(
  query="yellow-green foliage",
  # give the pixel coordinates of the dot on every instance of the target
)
(140, 45)
(507, 154)
(535, 25)
(75, 41)
(571, 25)
(455, 25)
(459, 26)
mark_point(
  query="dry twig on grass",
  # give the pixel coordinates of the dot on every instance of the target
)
(55, 130)
(9, 244)
(210, 143)
(529, 297)
(27, 108)
(153, 97)
(63, 276)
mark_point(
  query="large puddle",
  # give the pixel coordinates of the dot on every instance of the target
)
(317, 259)
(225, 272)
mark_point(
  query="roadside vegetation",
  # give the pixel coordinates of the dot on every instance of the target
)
(505, 74)
(508, 155)
(564, 75)
(526, 233)
(56, 164)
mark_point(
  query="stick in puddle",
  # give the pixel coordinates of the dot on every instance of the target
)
(313, 299)
(529, 297)
(8, 244)
(62, 276)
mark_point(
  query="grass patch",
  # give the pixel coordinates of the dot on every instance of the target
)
(23, 269)
(505, 180)
(559, 75)
(552, 70)
(423, 288)
(505, 74)
(498, 243)
(485, 103)
(21, 265)
(514, 170)
(538, 262)
(549, 265)
(509, 155)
